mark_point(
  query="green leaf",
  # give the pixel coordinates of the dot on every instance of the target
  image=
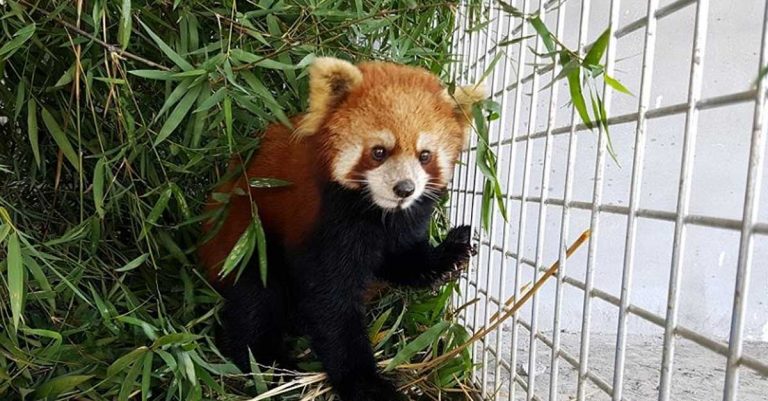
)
(175, 338)
(160, 206)
(615, 84)
(597, 49)
(21, 37)
(602, 118)
(378, 324)
(61, 139)
(146, 376)
(32, 130)
(178, 93)
(59, 385)
(170, 53)
(124, 29)
(479, 27)
(509, 42)
(268, 183)
(55, 336)
(228, 121)
(244, 245)
(259, 61)
(577, 97)
(261, 246)
(392, 330)
(129, 381)
(421, 342)
(543, 32)
(212, 100)
(762, 74)
(567, 68)
(509, 9)
(98, 186)
(67, 77)
(121, 363)
(177, 115)
(485, 208)
(490, 67)
(15, 278)
(134, 263)
(155, 74)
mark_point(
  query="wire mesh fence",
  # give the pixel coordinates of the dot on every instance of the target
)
(669, 300)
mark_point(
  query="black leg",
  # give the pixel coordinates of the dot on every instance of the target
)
(253, 318)
(335, 325)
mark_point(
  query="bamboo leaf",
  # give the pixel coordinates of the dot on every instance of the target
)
(121, 363)
(170, 53)
(762, 74)
(543, 32)
(175, 339)
(177, 115)
(261, 246)
(228, 121)
(418, 344)
(129, 381)
(259, 61)
(124, 28)
(21, 37)
(212, 100)
(15, 278)
(155, 74)
(146, 375)
(160, 206)
(60, 138)
(267, 183)
(509, 9)
(597, 49)
(59, 385)
(32, 130)
(133, 263)
(577, 97)
(98, 186)
(615, 84)
(510, 42)
(245, 244)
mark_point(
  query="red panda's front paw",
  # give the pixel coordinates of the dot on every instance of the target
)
(456, 250)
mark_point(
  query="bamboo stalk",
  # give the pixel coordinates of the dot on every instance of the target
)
(517, 305)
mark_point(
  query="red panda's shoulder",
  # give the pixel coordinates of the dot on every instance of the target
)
(287, 212)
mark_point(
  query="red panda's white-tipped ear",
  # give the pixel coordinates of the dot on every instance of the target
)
(330, 79)
(464, 97)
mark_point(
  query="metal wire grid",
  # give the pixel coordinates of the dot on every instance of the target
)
(510, 81)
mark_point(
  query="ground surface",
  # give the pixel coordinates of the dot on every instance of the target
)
(699, 374)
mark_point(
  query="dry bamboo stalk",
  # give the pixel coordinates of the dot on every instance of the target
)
(517, 305)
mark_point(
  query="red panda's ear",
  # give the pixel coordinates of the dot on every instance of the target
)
(464, 97)
(330, 79)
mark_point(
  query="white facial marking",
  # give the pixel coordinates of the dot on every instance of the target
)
(344, 163)
(348, 157)
(382, 181)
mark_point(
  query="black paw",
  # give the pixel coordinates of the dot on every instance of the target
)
(456, 251)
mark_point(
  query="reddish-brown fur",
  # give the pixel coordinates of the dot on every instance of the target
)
(403, 100)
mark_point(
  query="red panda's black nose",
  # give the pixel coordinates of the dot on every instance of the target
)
(404, 188)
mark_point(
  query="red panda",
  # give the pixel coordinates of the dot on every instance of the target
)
(366, 164)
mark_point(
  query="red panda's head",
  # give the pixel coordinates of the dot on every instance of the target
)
(391, 130)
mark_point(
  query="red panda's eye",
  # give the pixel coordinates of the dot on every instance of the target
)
(425, 156)
(379, 153)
